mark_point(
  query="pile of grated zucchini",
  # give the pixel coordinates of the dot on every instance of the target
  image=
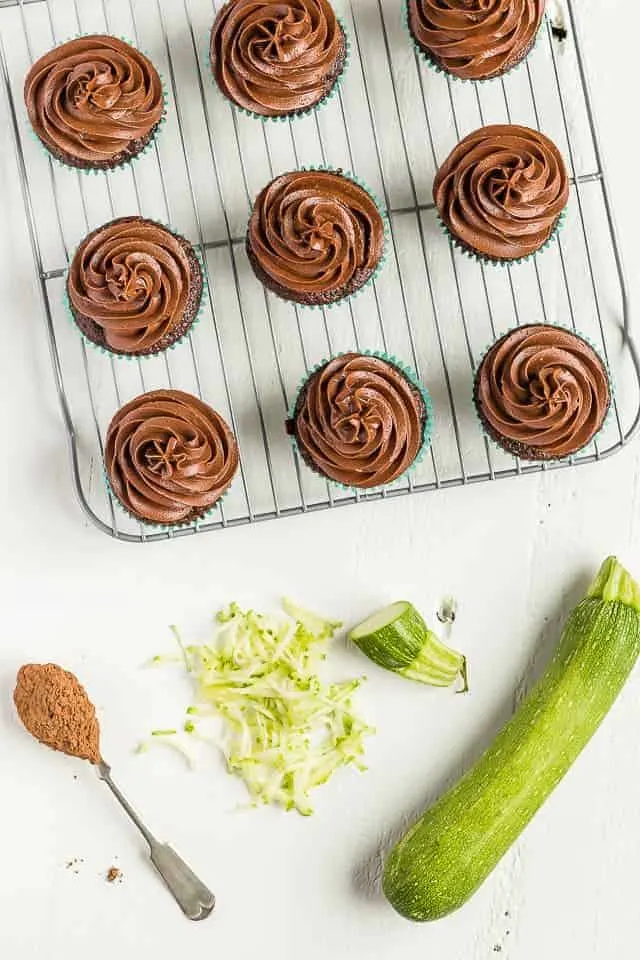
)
(285, 732)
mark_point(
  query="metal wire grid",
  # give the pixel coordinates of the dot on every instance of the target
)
(432, 307)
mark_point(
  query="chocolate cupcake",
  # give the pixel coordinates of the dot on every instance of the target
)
(169, 457)
(277, 59)
(315, 237)
(542, 392)
(475, 39)
(361, 420)
(501, 192)
(133, 287)
(94, 102)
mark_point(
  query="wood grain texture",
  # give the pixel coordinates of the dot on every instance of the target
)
(516, 555)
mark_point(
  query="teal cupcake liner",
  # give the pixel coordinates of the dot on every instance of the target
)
(438, 68)
(326, 168)
(158, 353)
(162, 527)
(124, 163)
(293, 114)
(413, 379)
(484, 258)
(496, 445)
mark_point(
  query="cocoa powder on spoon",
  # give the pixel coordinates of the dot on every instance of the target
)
(55, 709)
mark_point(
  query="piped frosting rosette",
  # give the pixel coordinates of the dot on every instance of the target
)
(502, 192)
(134, 287)
(474, 39)
(542, 392)
(169, 457)
(94, 102)
(316, 236)
(361, 420)
(277, 60)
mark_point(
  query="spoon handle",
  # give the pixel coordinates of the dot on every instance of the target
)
(192, 896)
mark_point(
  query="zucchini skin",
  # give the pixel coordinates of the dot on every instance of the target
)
(450, 851)
(397, 645)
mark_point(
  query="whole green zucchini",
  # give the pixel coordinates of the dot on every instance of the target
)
(452, 849)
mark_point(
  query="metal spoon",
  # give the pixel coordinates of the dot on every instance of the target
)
(192, 896)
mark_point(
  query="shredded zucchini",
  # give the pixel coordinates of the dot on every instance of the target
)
(285, 731)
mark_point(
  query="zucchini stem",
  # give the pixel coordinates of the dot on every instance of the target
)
(464, 676)
(614, 584)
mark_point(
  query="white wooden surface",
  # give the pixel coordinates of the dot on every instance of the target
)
(517, 555)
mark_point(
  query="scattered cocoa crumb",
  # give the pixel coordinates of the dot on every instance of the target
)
(114, 875)
(497, 948)
(559, 31)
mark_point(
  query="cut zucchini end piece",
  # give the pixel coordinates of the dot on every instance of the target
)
(615, 584)
(398, 639)
(379, 620)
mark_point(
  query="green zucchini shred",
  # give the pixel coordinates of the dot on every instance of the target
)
(283, 730)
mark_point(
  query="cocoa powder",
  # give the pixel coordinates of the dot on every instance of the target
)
(56, 710)
(114, 875)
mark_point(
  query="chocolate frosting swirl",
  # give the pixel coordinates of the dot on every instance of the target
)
(315, 236)
(136, 281)
(169, 457)
(475, 39)
(542, 392)
(359, 421)
(277, 58)
(501, 191)
(92, 100)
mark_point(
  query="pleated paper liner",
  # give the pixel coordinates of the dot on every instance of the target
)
(496, 444)
(485, 258)
(375, 273)
(135, 156)
(438, 68)
(292, 114)
(102, 348)
(415, 382)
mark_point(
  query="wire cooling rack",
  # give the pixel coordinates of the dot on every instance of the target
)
(393, 122)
